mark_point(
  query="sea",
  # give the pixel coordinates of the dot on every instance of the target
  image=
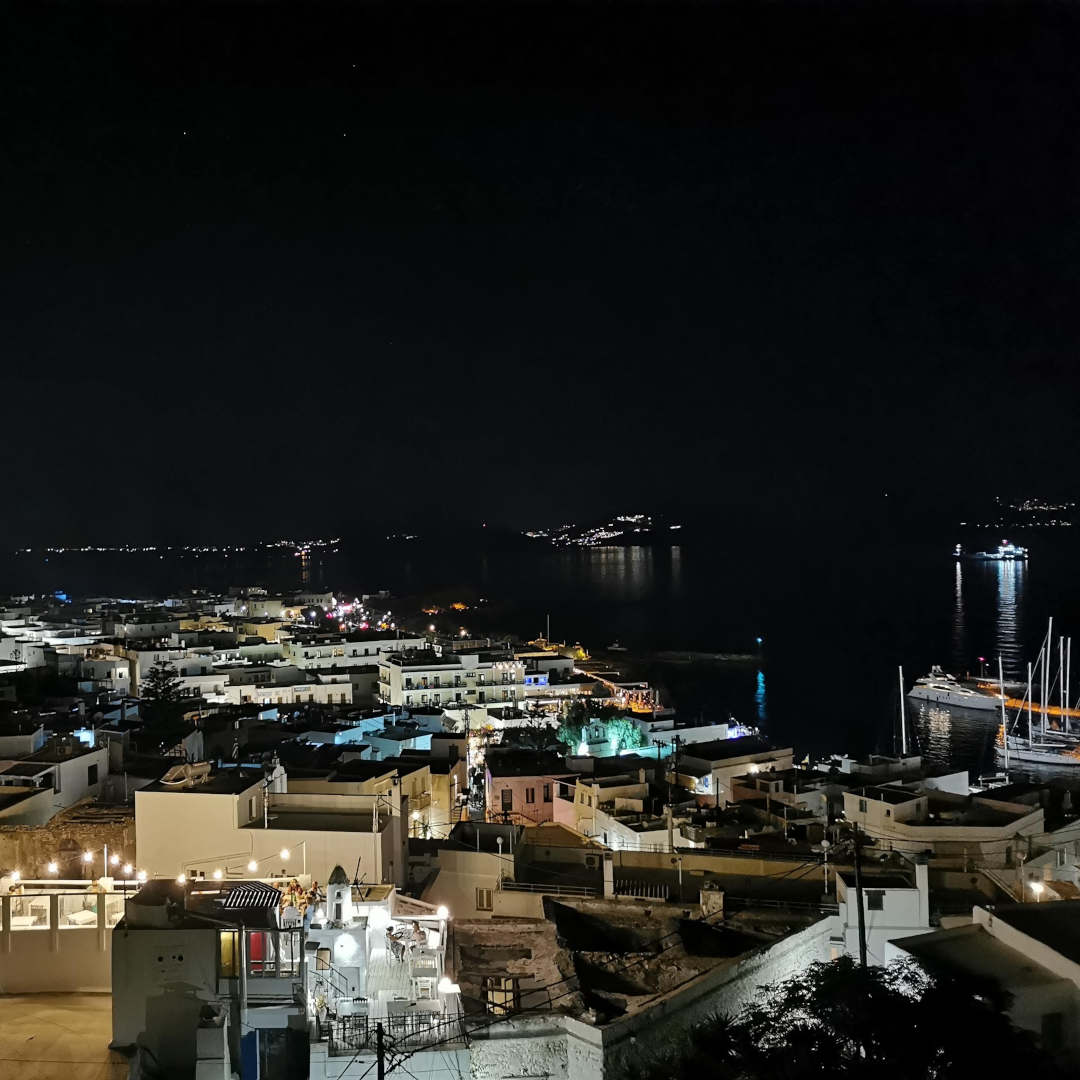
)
(835, 624)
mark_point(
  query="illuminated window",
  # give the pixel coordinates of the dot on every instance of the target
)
(228, 959)
(503, 994)
(483, 900)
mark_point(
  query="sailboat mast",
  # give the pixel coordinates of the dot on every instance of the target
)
(1068, 680)
(1029, 703)
(903, 722)
(1004, 722)
(1045, 702)
(1061, 677)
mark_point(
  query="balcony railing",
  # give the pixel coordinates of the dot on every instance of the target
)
(405, 1031)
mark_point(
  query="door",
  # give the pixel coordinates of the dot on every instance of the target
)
(507, 799)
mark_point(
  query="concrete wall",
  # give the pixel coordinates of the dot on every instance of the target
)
(461, 873)
(152, 966)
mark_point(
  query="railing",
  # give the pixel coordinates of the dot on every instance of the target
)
(411, 1031)
(732, 902)
(552, 890)
(645, 890)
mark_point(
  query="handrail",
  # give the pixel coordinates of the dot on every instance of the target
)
(563, 890)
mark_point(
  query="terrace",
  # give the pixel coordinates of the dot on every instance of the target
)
(376, 957)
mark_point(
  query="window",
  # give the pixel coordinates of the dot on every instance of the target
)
(530, 794)
(503, 995)
(30, 912)
(78, 911)
(483, 900)
(547, 793)
(91, 775)
(228, 955)
(862, 806)
(875, 899)
(888, 812)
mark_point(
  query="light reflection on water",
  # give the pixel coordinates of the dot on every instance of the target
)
(959, 622)
(955, 738)
(759, 699)
(1010, 603)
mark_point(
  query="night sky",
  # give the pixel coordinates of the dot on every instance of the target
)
(273, 271)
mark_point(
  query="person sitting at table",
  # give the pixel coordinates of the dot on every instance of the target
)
(417, 935)
(395, 944)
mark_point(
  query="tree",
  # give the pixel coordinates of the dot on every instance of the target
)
(623, 733)
(160, 694)
(839, 1020)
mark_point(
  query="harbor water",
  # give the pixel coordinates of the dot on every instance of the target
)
(834, 624)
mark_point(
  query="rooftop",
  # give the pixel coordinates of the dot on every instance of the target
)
(526, 763)
(1056, 925)
(894, 796)
(972, 949)
(722, 749)
(321, 820)
(222, 782)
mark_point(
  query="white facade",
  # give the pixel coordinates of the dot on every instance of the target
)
(892, 909)
(958, 831)
(222, 826)
(450, 680)
(342, 653)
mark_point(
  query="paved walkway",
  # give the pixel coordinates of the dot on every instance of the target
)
(58, 1037)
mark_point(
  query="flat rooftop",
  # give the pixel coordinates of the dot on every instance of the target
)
(970, 948)
(321, 821)
(894, 796)
(721, 749)
(224, 782)
(60, 1037)
(1056, 924)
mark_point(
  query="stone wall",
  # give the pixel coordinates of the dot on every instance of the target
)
(30, 848)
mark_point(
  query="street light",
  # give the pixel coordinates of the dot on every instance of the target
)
(1037, 889)
(53, 868)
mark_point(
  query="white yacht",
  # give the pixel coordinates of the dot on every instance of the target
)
(943, 689)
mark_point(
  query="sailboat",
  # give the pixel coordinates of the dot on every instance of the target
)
(1044, 744)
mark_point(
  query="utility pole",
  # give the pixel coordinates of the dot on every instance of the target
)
(380, 1056)
(859, 901)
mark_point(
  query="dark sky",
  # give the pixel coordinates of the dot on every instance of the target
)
(274, 270)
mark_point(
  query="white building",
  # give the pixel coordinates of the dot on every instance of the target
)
(895, 905)
(198, 821)
(441, 678)
(69, 771)
(343, 652)
(1030, 950)
(957, 830)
